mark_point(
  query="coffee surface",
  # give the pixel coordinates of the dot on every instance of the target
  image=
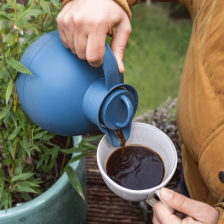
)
(138, 168)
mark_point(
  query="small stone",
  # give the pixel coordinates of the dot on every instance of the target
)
(221, 176)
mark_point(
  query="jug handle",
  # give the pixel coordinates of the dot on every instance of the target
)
(110, 68)
(130, 112)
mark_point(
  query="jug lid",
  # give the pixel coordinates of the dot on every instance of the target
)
(117, 110)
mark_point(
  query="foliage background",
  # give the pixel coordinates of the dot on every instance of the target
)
(155, 54)
(26, 151)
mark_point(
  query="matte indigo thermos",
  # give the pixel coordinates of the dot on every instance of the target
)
(68, 97)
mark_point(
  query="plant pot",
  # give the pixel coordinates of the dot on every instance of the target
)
(60, 204)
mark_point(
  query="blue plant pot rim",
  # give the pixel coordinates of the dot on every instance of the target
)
(38, 201)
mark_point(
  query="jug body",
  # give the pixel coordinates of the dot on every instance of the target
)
(55, 97)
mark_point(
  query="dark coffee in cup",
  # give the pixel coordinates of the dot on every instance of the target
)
(138, 168)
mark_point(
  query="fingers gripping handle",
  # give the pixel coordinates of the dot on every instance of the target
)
(152, 200)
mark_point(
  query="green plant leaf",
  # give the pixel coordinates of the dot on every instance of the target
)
(30, 2)
(32, 12)
(54, 156)
(10, 147)
(26, 38)
(39, 135)
(13, 116)
(19, 25)
(50, 166)
(8, 161)
(7, 52)
(40, 161)
(44, 148)
(90, 139)
(8, 91)
(75, 150)
(37, 190)
(45, 6)
(46, 159)
(18, 66)
(14, 133)
(15, 141)
(37, 129)
(47, 137)
(28, 152)
(6, 204)
(2, 184)
(74, 180)
(55, 2)
(1, 175)
(5, 111)
(12, 3)
(4, 16)
(26, 11)
(91, 146)
(53, 150)
(22, 176)
(75, 158)
(29, 184)
(25, 142)
(18, 169)
(35, 30)
(20, 116)
(23, 188)
(10, 200)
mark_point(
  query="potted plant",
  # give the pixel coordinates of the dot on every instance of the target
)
(31, 159)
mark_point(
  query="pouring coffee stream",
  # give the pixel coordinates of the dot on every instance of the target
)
(120, 137)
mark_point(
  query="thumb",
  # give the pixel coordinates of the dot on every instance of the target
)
(195, 209)
(119, 41)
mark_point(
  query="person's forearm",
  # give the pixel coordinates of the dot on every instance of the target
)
(166, 0)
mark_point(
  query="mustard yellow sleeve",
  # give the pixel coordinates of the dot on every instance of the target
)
(220, 208)
(126, 4)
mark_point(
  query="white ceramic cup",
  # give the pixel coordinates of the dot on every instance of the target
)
(146, 135)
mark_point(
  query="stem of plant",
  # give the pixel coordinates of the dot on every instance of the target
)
(15, 12)
(14, 156)
(17, 43)
(1, 4)
(3, 53)
(15, 100)
(9, 154)
(62, 166)
(42, 23)
(31, 24)
(9, 30)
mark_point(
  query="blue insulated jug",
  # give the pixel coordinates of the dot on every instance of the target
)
(67, 96)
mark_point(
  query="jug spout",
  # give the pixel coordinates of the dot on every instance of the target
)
(112, 137)
(112, 109)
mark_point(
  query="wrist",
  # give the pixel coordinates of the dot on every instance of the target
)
(122, 3)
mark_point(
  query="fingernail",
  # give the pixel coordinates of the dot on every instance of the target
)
(166, 194)
(96, 64)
